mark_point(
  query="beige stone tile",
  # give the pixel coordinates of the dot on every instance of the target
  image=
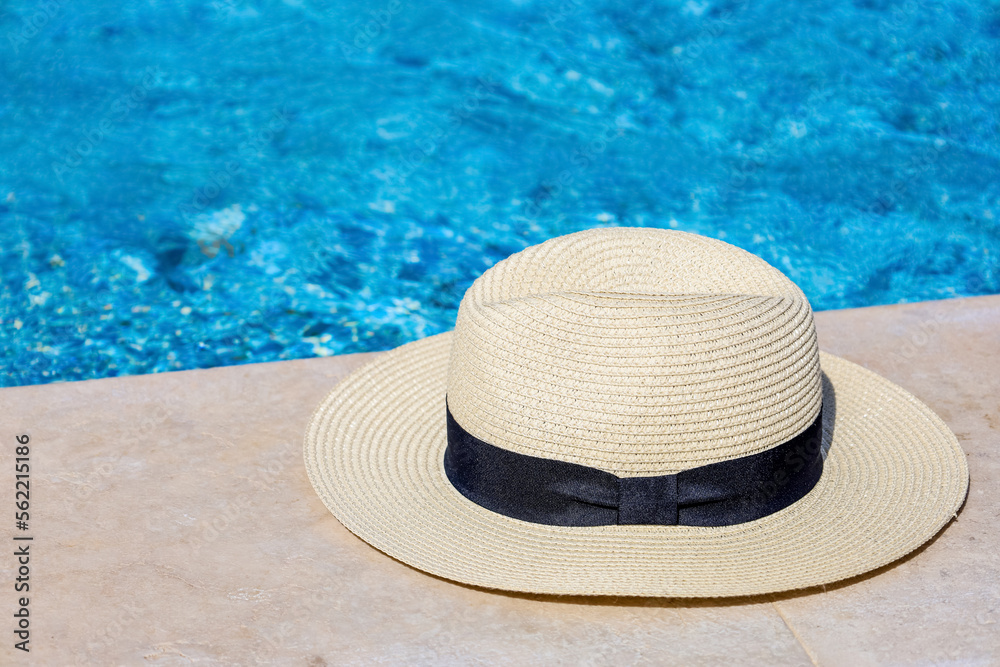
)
(174, 524)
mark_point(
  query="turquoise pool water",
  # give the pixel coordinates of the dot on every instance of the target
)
(193, 184)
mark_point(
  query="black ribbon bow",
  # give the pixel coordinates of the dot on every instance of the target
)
(558, 493)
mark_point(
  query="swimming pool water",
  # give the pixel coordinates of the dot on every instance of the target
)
(192, 184)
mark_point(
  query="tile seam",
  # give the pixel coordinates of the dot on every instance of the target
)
(798, 638)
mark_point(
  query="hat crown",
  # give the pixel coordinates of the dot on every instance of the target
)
(635, 351)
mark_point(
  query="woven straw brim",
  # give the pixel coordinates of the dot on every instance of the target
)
(893, 476)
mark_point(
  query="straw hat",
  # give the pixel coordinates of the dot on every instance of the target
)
(633, 412)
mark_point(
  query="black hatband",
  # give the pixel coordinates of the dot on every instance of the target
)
(558, 493)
